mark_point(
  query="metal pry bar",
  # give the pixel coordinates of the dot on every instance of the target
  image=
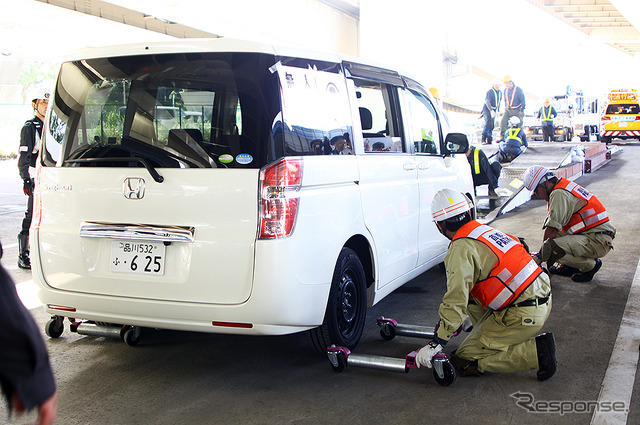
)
(341, 357)
(389, 329)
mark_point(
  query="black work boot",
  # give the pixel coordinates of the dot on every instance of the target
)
(563, 270)
(587, 276)
(23, 252)
(464, 367)
(546, 347)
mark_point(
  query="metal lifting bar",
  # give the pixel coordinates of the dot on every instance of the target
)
(443, 371)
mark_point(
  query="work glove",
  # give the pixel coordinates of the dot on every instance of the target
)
(493, 114)
(27, 187)
(426, 353)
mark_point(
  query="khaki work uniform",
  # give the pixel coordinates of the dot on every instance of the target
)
(501, 341)
(583, 248)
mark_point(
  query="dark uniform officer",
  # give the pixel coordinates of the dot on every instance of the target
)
(26, 377)
(28, 152)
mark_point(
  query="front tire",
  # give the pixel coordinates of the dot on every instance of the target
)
(346, 307)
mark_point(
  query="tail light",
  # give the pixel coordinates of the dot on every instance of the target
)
(560, 131)
(279, 196)
(605, 119)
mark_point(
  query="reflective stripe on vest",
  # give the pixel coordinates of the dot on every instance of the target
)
(514, 271)
(545, 116)
(510, 100)
(591, 215)
(476, 160)
(497, 96)
(513, 134)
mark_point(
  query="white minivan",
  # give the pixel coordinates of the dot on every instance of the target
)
(227, 186)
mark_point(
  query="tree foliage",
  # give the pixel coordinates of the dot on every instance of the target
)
(35, 75)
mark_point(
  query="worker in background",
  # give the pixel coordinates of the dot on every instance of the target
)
(514, 103)
(577, 230)
(482, 170)
(436, 95)
(28, 151)
(490, 110)
(546, 114)
(494, 280)
(514, 142)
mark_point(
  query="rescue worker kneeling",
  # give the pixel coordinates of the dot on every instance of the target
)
(494, 280)
(577, 229)
(515, 142)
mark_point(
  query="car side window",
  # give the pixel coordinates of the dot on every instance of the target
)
(380, 131)
(423, 127)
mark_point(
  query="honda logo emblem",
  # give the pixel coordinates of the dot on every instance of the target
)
(133, 188)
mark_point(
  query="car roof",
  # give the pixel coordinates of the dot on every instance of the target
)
(222, 44)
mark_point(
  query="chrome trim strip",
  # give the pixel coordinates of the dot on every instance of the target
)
(137, 232)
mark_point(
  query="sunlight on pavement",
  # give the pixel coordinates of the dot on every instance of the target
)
(28, 293)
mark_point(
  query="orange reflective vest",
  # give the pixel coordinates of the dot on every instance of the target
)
(514, 271)
(589, 216)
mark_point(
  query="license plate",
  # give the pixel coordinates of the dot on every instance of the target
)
(622, 124)
(137, 257)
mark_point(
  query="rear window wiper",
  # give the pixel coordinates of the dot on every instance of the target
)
(157, 177)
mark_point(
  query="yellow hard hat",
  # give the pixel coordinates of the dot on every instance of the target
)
(546, 100)
(506, 78)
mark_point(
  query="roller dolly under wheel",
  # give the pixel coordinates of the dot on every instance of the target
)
(443, 371)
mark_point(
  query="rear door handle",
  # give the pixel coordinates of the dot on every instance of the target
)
(409, 166)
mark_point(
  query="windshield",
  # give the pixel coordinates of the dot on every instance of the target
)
(195, 110)
(623, 109)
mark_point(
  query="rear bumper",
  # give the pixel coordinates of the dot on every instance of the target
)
(621, 134)
(279, 304)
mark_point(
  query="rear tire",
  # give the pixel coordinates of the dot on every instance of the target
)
(346, 307)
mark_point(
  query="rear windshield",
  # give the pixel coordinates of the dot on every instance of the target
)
(195, 110)
(623, 109)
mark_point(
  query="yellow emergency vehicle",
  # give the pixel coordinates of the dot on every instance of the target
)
(621, 116)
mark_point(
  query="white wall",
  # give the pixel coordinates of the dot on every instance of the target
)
(406, 34)
(302, 23)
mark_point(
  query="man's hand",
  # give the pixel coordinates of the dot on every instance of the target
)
(493, 114)
(47, 411)
(426, 353)
(27, 187)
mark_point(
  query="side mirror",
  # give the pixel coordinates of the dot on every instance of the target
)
(456, 143)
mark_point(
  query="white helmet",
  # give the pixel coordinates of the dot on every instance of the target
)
(514, 121)
(535, 175)
(40, 94)
(448, 203)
